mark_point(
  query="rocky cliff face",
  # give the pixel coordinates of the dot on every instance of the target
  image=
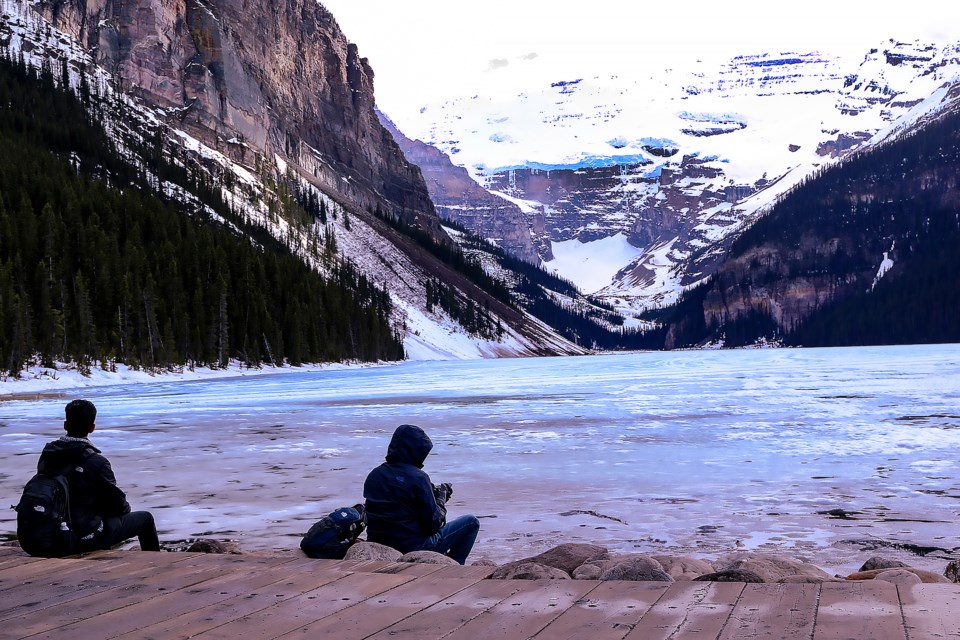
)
(459, 198)
(279, 76)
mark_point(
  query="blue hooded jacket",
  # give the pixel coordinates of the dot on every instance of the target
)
(402, 510)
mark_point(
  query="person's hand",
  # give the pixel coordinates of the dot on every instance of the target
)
(443, 491)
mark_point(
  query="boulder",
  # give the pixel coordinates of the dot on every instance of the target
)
(529, 571)
(593, 569)
(898, 576)
(730, 575)
(772, 568)
(926, 577)
(372, 551)
(952, 572)
(569, 556)
(683, 568)
(483, 562)
(876, 562)
(212, 546)
(565, 557)
(643, 568)
(427, 557)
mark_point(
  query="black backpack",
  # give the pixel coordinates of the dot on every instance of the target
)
(334, 533)
(43, 516)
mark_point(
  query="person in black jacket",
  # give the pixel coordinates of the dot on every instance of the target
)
(99, 511)
(408, 512)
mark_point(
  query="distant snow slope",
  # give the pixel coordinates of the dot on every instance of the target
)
(677, 161)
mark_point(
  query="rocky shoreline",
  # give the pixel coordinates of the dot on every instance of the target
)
(580, 561)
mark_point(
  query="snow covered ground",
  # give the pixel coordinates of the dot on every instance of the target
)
(699, 452)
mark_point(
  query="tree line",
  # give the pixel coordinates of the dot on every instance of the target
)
(902, 199)
(97, 266)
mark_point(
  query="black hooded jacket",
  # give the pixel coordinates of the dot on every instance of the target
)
(94, 494)
(402, 510)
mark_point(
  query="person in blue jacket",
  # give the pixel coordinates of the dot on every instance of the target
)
(405, 510)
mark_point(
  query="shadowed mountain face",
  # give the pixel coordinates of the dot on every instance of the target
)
(459, 198)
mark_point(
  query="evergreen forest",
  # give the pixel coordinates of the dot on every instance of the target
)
(901, 199)
(97, 266)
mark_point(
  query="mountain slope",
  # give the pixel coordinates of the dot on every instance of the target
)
(678, 162)
(287, 135)
(862, 253)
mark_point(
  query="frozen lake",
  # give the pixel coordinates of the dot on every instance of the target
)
(698, 452)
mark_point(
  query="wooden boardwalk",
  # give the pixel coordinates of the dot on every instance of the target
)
(135, 595)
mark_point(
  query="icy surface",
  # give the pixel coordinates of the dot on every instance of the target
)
(683, 452)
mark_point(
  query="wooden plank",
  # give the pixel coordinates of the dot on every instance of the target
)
(377, 613)
(245, 602)
(67, 581)
(609, 611)
(450, 571)
(689, 610)
(150, 584)
(931, 610)
(307, 607)
(451, 613)
(414, 569)
(174, 603)
(524, 614)
(80, 563)
(773, 611)
(866, 609)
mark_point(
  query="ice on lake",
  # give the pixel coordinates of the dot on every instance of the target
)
(832, 455)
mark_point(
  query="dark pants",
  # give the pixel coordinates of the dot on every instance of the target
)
(455, 539)
(135, 523)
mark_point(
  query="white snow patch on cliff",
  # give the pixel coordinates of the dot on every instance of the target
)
(592, 265)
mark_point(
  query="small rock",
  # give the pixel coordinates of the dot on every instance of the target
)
(876, 562)
(568, 557)
(593, 569)
(427, 557)
(565, 557)
(926, 577)
(952, 572)
(641, 568)
(772, 568)
(898, 576)
(683, 568)
(363, 550)
(483, 562)
(212, 546)
(730, 575)
(529, 571)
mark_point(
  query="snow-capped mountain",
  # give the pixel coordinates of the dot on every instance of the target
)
(634, 186)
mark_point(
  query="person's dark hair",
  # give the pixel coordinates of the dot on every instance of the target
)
(81, 414)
